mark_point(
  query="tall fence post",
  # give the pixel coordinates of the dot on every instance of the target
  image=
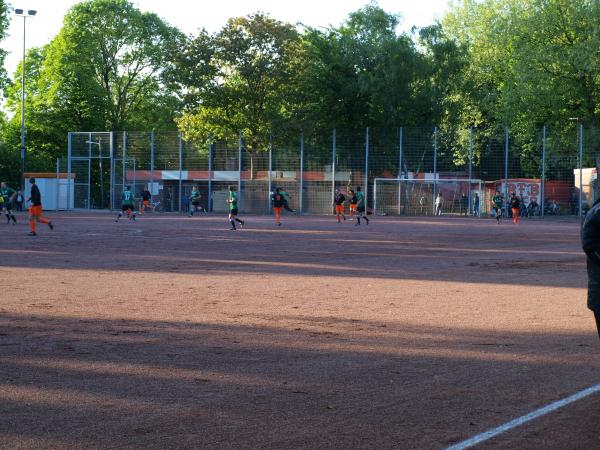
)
(151, 187)
(57, 183)
(543, 181)
(69, 156)
(270, 171)
(333, 156)
(506, 166)
(580, 170)
(435, 152)
(366, 188)
(470, 166)
(400, 168)
(301, 193)
(239, 186)
(180, 167)
(89, 181)
(124, 160)
(210, 157)
(111, 194)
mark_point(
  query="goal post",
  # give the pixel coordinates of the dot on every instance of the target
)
(410, 197)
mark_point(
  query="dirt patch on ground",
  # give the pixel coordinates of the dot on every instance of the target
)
(171, 332)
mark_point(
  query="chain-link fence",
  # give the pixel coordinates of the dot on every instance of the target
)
(542, 168)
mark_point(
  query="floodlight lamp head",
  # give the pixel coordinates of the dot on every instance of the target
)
(18, 11)
(32, 12)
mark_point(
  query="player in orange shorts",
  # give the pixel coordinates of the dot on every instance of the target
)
(339, 200)
(278, 201)
(35, 210)
(146, 201)
(353, 203)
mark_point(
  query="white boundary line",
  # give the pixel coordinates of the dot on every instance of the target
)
(524, 419)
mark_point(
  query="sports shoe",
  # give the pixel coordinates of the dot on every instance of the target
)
(243, 223)
(32, 233)
(279, 224)
(232, 229)
(50, 225)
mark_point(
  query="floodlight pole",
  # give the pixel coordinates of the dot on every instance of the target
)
(21, 13)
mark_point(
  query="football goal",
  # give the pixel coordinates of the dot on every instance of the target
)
(403, 197)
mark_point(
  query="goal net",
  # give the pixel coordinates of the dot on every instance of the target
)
(393, 196)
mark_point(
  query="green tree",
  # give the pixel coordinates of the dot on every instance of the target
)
(239, 79)
(4, 21)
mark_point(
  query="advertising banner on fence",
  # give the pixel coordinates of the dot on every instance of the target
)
(528, 190)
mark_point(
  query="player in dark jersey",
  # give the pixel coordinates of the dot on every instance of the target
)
(515, 206)
(35, 210)
(353, 203)
(360, 208)
(146, 201)
(233, 208)
(278, 201)
(338, 201)
(126, 204)
(8, 195)
(195, 197)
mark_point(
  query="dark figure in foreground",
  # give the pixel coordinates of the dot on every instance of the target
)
(35, 210)
(590, 241)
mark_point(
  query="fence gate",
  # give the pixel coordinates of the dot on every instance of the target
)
(90, 161)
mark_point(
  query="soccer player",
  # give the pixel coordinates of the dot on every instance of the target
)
(360, 207)
(233, 209)
(195, 197)
(278, 201)
(286, 199)
(146, 201)
(497, 201)
(515, 206)
(8, 195)
(339, 200)
(126, 204)
(353, 203)
(35, 210)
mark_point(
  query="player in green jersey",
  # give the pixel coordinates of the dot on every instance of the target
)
(126, 204)
(497, 202)
(233, 208)
(8, 195)
(361, 209)
(195, 197)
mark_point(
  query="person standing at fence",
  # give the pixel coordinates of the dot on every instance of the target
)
(590, 241)
(35, 210)
(278, 201)
(195, 198)
(127, 204)
(497, 201)
(515, 206)
(360, 206)
(464, 204)
(338, 202)
(146, 201)
(439, 204)
(233, 208)
(475, 201)
(8, 195)
(19, 200)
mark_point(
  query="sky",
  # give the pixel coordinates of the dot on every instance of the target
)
(190, 16)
